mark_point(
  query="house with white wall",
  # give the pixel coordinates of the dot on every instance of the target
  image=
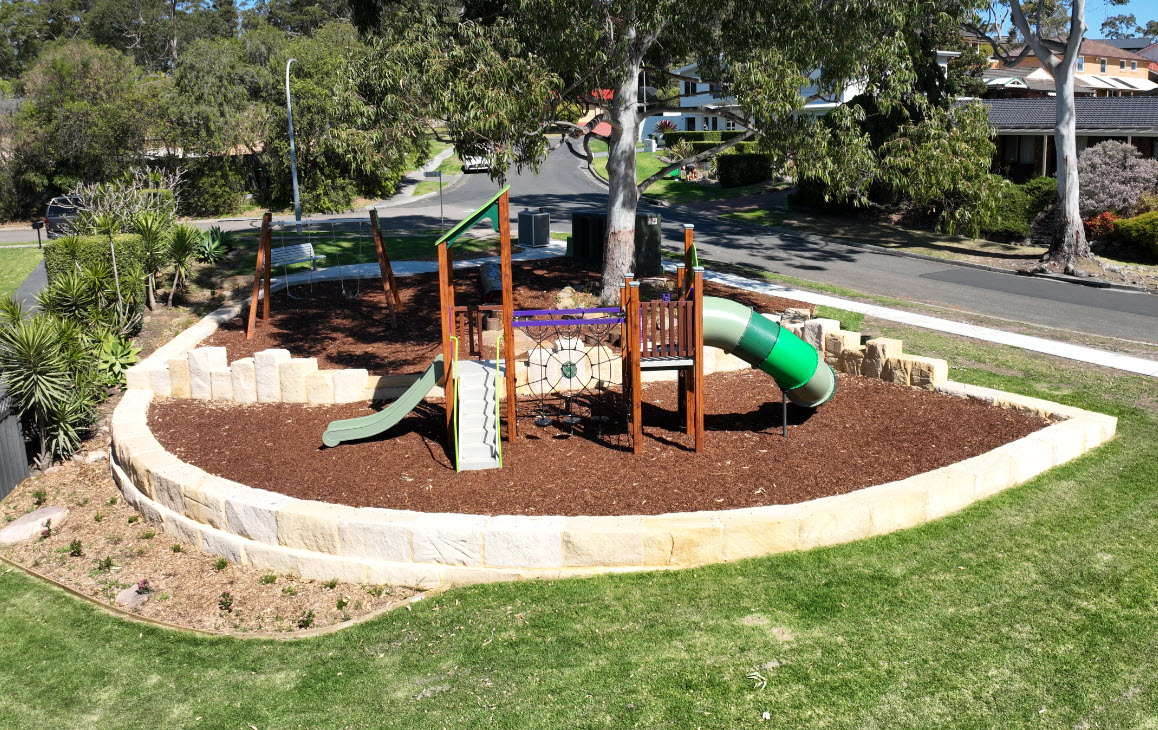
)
(698, 100)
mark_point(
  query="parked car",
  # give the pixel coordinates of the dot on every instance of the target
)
(60, 211)
(476, 164)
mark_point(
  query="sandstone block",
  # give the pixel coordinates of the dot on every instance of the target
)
(840, 340)
(796, 328)
(320, 387)
(202, 362)
(349, 385)
(313, 526)
(523, 542)
(31, 525)
(125, 447)
(230, 547)
(929, 373)
(877, 351)
(159, 381)
(895, 506)
(993, 471)
(376, 534)
(760, 531)
(1068, 439)
(149, 510)
(138, 377)
(815, 331)
(1031, 456)
(222, 384)
(452, 576)
(450, 539)
(897, 370)
(684, 542)
(171, 482)
(267, 365)
(244, 376)
(205, 501)
(794, 315)
(293, 374)
(273, 558)
(949, 490)
(603, 541)
(852, 360)
(142, 467)
(179, 384)
(834, 520)
(184, 529)
(325, 567)
(252, 513)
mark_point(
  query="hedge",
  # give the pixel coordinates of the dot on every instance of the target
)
(64, 254)
(671, 138)
(1017, 208)
(743, 168)
(746, 146)
(1140, 231)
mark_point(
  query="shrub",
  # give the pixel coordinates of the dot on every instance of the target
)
(95, 254)
(1039, 192)
(1140, 231)
(670, 138)
(744, 168)
(1100, 226)
(1010, 219)
(1113, 176)
(215, 188)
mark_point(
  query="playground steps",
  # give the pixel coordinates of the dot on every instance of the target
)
(478, 426)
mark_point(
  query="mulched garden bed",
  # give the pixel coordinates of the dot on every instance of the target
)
(356, 333)
(871, 433)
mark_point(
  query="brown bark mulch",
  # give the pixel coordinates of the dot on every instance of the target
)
(871, 433)
(356, 333)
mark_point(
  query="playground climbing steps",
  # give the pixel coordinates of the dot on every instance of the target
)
(478, 425)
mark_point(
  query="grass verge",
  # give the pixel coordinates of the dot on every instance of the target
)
(15, 266)
(678, 191)
(1032, 609)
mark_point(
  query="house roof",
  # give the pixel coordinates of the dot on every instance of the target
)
(1095, 48)
(1126, 44)
(1094, 113)
(1036, 78)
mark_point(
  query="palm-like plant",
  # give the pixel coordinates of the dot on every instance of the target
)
(153, 228)
(37, 376)
(183, 247)
(70, 296)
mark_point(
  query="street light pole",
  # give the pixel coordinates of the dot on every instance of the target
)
(293, 154)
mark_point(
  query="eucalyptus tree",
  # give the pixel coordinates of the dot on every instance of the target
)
(505, 74)
(1059, 55)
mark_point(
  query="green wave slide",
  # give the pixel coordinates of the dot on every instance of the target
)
(794, 364)
(353, 429)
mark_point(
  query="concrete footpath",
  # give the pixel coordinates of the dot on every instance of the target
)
(1078, 353)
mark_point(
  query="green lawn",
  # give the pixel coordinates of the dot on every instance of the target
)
(15, 266)
(598, 145)
(431, 186)
(1033, 609)
(678, 191)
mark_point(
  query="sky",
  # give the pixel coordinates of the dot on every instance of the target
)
(1097, 10)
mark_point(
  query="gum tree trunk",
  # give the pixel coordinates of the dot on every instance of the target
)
(1070, 242)
(622, 195)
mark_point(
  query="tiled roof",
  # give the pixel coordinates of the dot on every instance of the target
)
(1090, 47)
(1128, 44)
(1125, 112)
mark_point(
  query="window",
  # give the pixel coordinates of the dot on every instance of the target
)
(1103, 65)
(715, 124)
(1081, 63)
(689, 88)
(1133, 65)
(690, 124)
(1026, 152)
(1122, 65)
(729, 125)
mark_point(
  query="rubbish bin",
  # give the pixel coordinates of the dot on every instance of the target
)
(534, 228)
(589, 235)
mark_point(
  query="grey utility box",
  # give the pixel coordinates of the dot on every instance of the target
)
(534, 228)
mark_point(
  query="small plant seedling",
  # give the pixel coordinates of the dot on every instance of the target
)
(378, 591)
(267, 579)
(75, 549)
(306, 620)
(84, 502)
(220, 564)
(115, 539)
(105, 564)
(47, 531)
(133, 519)
(163, 597)
(39, 497)
(98, 516)
(343, 602)
(225, 602)
(143, 586)
(112, 501)
(332, 583)
(177, 548)
(289, 591)
(148, 534)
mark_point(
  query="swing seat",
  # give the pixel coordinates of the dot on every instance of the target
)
(296, 253)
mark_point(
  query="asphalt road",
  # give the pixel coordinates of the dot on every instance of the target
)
(563, 186)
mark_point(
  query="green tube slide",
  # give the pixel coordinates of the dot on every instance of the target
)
(794, 364)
